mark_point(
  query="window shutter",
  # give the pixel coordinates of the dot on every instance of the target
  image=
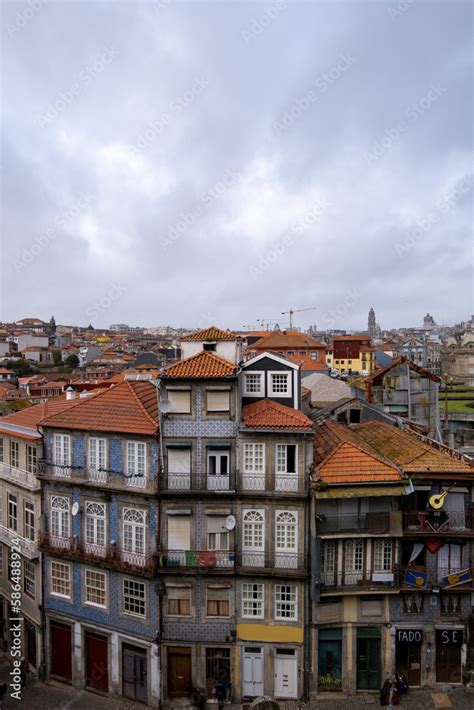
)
(215, 524)
(179, 460)
(179, 533)
(180, 401)
(218, 401)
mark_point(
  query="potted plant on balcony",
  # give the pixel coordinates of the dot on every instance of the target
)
(328, 682)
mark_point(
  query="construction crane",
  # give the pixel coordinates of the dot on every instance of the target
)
(299, 310)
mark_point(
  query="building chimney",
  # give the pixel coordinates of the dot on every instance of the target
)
(70, 393)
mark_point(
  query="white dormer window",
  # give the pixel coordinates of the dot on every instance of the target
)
(279, 384)
(253, 384)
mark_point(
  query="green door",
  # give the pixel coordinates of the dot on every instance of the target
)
(368, 662)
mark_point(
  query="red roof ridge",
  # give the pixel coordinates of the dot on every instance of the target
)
(203, 355)
(255, 408)
(211, 333)
(138, 398)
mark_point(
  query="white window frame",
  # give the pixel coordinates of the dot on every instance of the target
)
(31, 459)
(253, 598)
(29, 520)
(278, 468)
(14, 454)
(97, 458)
(290, 604)
(29, 578)
(328, 561)
(66, 578)
(254, 393)
(134, 531)
(136, 464)
(253, 537)
(286, 532)
(62, 449)
(95, 522)
(383, 554)
(12, 511)
(89, 575)
(289, 379)
(134, 597)
(60, 516)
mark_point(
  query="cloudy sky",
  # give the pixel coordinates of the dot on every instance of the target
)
(190, 163)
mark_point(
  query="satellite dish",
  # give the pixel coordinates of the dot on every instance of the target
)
(75, 508)
(165, 406)
(230, 522)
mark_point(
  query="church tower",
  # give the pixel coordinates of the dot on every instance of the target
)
(372, 325)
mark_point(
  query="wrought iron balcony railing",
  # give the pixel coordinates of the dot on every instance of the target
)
(281, 562)
(182, 482)
(360, 578)
(99, 477)
(109, 555)
(203, 559)
(367, 523)
(444, 522)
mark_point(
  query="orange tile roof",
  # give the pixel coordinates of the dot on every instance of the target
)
(211, 334)
(204, 364)
(340, 457)
(129, 407)
(267, 414)
(32, 416)
(413, 453)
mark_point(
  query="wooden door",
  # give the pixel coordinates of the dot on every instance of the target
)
(61, 653)
(448, 664)
(368, 663)
(97, 665)
(252, 681)
(286, 675)
(179, 672)
(134, 674)
(30, 633)
(409, 662)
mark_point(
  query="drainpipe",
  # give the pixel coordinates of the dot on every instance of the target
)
(408, 390)
(307, 600)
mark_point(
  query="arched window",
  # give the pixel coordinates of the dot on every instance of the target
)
(286, 528)
(60, 520)
(95, 523)
(253, 530)
(134, 530)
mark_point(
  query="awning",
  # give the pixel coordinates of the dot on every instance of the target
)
(365, 491)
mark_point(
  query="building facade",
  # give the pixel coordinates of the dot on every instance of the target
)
(99, 540)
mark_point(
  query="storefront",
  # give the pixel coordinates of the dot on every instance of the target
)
(408, 644)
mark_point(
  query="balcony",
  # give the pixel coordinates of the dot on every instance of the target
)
(191, 482)
(97, 477)
(442, 522)
(366, 523)
(19, 477)
(286, 482)
(197, 559)
(106, 555)
(29, 548)
(283, 562)
(352, 579)
(253, 481)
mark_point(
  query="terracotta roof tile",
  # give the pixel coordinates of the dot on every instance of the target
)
(286, 340)
(129, 407)
(32, 416)
(410, 451)
(267, 414)
(211, 334)
(204, 364)
(341, 457)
